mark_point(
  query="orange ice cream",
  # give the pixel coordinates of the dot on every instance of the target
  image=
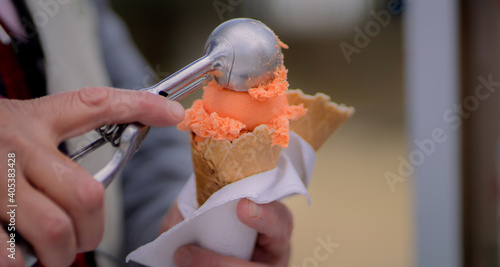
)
(224, 114)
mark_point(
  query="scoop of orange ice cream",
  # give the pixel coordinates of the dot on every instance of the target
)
(224, 114)
(241, 106)
(277, 87)
(205, 124)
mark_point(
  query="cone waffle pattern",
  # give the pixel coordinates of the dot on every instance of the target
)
(322, 119)
(218, 163)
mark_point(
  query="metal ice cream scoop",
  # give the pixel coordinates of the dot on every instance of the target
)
(239, 54)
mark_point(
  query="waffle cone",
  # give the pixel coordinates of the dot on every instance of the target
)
(323, 117)
(217, 163)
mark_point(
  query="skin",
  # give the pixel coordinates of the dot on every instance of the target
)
(273, 222)
(60, 206)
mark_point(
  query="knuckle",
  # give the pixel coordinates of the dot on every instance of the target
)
(13, 140)
(6, 261)
(93, 96)
(59, 260)
(57, 230)
(12, 137)
(280, 241)
(89, 241)
(90, 195)
(282, 216)
(274, 216)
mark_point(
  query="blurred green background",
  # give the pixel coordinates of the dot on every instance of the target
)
(351, 203)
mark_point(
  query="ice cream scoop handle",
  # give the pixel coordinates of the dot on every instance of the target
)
(182, 78)
(197, 84)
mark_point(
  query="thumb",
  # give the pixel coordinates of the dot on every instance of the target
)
(73, 113)
(172, 218)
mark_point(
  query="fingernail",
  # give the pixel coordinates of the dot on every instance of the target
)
(253, 209)
(183, 257)
(176, 109)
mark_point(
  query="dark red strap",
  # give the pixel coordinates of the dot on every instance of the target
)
(12, 75)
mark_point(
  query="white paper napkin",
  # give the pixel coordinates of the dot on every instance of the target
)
(215, 225)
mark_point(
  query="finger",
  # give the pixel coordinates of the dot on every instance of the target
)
(74, 190)
(45, 226)
(9, 253)
(172, 218)
(274, 223)
(80, 111)
(193, 256)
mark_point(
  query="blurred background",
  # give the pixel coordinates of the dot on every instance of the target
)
(352, 205)
(385, 191)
